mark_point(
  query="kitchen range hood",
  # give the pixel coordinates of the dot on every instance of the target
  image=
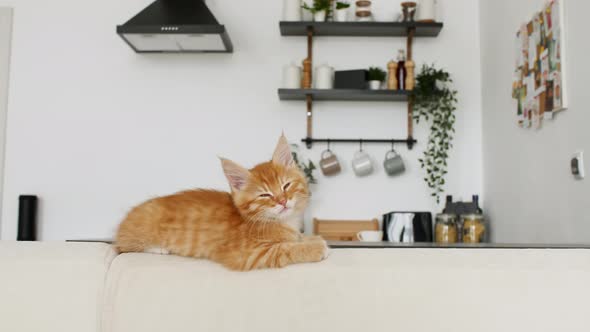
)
(175, 26)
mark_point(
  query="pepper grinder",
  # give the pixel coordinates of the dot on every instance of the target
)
(306, 80)
(401, 70)
(410, 80)
(392, 79)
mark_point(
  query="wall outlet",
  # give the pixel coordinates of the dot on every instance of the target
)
(577, 165)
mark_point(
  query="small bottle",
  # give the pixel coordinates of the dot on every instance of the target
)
(476, 203)
(401, 70)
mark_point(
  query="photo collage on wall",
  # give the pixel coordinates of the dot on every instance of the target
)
(539, 78)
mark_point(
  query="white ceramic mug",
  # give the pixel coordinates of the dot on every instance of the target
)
(370, 236)
(393, 164)
(362, 164)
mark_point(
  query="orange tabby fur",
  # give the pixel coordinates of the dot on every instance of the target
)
(253, 227)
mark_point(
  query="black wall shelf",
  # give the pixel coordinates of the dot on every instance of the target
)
(361, 29)
(344, 95)
(407, 30)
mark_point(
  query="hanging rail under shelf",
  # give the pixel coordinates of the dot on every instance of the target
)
(409, 141)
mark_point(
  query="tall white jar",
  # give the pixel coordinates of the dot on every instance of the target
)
(292, 10)
(426, 11)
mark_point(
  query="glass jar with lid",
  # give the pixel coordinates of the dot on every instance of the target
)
(474, 228)
(445, 229)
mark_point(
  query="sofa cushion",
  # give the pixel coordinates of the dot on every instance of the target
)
(355, 290)
(52, 286)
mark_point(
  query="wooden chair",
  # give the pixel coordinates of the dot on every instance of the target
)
(343, 230)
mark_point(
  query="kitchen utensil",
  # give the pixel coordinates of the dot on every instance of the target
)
(362, 164)
(370, 236)
(393, 164)
(329, 163)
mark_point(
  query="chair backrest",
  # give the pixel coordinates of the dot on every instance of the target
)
(343, 230)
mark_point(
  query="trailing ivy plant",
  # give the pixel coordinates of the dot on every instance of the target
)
(435, 102)
(306, 166)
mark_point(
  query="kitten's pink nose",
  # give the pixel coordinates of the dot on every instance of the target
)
(283, 201)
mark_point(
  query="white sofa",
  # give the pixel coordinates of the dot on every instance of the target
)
(65, 287)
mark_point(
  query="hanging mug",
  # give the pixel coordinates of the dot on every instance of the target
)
(362, 164)
(329, 163)
(393, 164)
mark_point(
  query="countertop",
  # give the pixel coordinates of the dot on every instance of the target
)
(389, 245)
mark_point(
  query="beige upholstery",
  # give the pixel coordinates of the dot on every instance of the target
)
(53, 287)
(356, 290)
(66, 287)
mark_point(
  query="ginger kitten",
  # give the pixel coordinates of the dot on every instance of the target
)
(253, 227)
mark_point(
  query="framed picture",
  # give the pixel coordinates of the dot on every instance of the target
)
(539, 85)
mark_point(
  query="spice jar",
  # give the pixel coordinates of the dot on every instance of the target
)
(363, 11)
(474, 228)
(445, 229)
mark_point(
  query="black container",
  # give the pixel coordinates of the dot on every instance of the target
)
(461, 208)
(351, 79)
(27, 218)
(422, 226)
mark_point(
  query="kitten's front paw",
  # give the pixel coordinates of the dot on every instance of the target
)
(326, 251)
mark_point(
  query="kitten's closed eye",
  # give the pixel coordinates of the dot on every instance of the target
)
(265, 195)
(286, 186)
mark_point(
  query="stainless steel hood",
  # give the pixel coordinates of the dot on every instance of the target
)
(176, 26)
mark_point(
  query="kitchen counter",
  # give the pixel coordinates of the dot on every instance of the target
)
(389, 245)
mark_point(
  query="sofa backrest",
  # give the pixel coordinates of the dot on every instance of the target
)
(356, 290)
(54, 287)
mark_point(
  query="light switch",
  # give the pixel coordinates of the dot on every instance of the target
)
(577, 165)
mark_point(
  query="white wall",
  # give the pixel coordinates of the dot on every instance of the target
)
(5, 33)
(530, 194)
(95, 128)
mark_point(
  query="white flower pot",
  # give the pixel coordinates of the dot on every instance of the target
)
(375, 85)
(341, 15)
(320, 16)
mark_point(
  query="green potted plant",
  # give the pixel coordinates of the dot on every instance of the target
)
(376, 77)
(320, 9)
(435, 102)
(341, 11)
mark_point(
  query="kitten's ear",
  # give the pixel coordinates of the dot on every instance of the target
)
(282, 154)
(236, 175)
